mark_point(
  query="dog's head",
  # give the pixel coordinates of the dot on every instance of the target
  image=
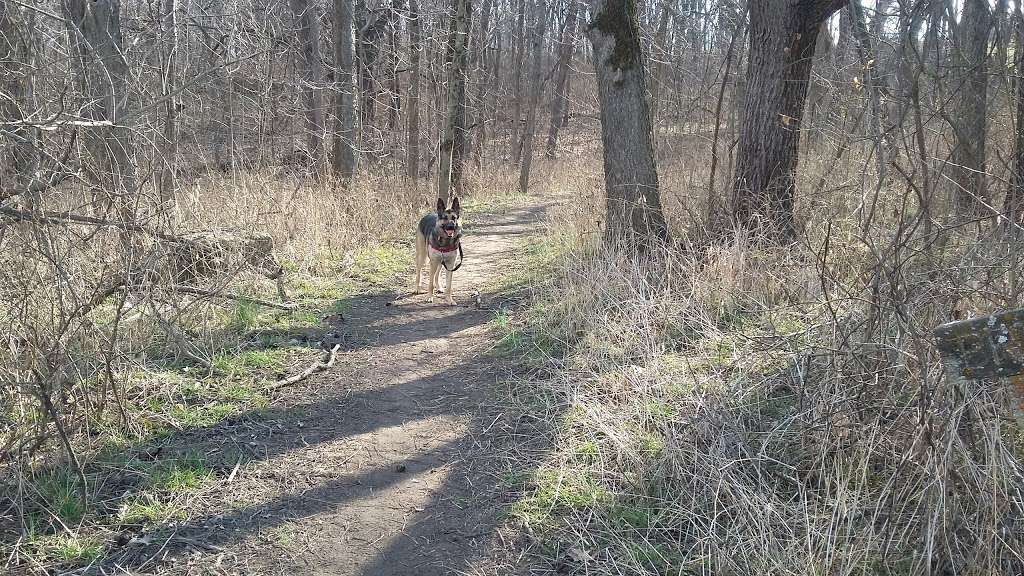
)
(448, 219)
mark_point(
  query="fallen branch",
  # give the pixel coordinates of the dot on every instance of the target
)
(318, 367)
(236, 297)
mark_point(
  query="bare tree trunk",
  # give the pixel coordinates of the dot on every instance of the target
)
(345, 101)
(393, 58)
(536, 89)
(94, 27)
(308, 19)
(869, 61)
(968, 118)
(519, 56)
(169, 88)
(560, 95)
(474, 144)
(20, 155)
(1014, 202)
(451, 154)
(415, 47)
(630, 175)
(661, 45)
(782, 42)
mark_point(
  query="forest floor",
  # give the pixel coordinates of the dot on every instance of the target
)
(394, 461)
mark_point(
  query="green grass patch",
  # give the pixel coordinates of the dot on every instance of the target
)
(179, 475)
(148, 510)
(65, 548)
(555, 493)
(60, 491)
(382, 266)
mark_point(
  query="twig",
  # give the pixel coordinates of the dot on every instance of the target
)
(318, 367)
(237, 297)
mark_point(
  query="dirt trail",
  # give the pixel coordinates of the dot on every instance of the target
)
(383, 465)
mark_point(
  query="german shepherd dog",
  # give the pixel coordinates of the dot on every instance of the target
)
(438, 237)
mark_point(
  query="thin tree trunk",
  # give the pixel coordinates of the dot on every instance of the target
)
(169, 87)
(661, 44)
(782, 42)
(869, 62)
(480, 57)
(1014, 202)
(344, 164)
(536, 89)
(20, 155)
(968, 118)
(415, 47)
(519, 55)
(308, 19)
(560, 95)
(630, 174)
(94, 27)
(451, 153)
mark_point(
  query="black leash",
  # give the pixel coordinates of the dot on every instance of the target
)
(457, 266)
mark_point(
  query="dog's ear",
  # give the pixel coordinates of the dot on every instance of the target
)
(455, 206)
(440, 206)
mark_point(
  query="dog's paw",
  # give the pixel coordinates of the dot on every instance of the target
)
(450, 301)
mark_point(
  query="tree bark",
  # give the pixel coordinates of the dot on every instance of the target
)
(968, 118)
(94, 28)
(874, 83)
(661, 44)
(560, 95)
(451, 155)
(344, 164)
(168, 88)
(519, 55)
(415, 47)
(20, 155)
(536, 89)
(630, 174)
(782, 42)
(475, 140)
(308, 20)
(1014, 202)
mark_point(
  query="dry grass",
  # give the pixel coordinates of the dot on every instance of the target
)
(747, 409)
(126, 370)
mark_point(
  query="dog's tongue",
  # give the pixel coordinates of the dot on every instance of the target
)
(450, 233)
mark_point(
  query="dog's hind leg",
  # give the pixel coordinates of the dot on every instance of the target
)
(421, 256)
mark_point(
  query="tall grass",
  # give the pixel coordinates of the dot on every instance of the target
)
(738, 407)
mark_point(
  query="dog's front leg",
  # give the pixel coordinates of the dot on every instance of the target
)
(448, 287)
(434, 269)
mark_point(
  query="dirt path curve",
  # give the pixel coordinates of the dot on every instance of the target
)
(383, 465)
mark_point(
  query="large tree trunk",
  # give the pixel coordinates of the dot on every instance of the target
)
(560, 95)
(19, 155)
(344, 164)
(968, 118)
(308, 20)
(630, 175)
(536, 89)
(94, 28)
(453, 144)
(782, 42)
(415, 46)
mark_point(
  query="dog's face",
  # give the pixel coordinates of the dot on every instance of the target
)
(448, 219)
